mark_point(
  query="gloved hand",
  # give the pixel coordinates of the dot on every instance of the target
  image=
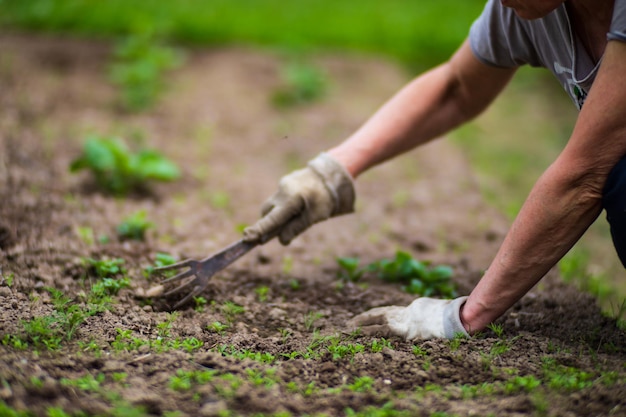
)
(321, 190)
(424, 318)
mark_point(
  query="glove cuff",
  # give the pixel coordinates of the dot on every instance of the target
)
(338, 182)
(452, 324)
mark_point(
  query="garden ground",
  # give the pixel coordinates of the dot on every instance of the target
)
(271, 337)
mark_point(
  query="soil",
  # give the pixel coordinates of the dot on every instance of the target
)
(217, 122)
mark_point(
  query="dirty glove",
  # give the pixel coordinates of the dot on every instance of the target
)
(322, 190)
(424, 318)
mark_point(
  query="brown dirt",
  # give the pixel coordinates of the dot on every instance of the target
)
(218, 124)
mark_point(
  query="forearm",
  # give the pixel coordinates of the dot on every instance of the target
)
(557, 212)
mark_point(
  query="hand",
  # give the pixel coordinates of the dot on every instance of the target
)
(424, 318)
(322, 190)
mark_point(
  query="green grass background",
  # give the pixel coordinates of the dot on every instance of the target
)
(510, 145)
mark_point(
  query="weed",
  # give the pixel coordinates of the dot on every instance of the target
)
(86, 235)
(119, 377)
(501, 346)
(90, 346)
(379, 345)
(266, 378)
(183, 380)
(287, 264)
(218, 327)
(262, 293)
(7, 279)
(303, 83)
(138, 69)
(418, 277)
(285, 334)
(14, 341)
(230, 310)
(134, 226)
(362, 384)
(163, 329)
(349, 269)
(498, 329)
(230, 350)
(310, 318)
(191, 344)
(117, 170)
(567, 378)
(521, 383)
(59, 326)
(419, 351)
(104, 268)
(339, 351)
(294, 284)
(199, 303)
(161, 259)
(85, 383)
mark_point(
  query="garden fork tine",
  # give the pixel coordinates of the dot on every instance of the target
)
(204, 269)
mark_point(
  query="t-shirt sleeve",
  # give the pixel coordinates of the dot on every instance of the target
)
(499, 38)
(618, 24)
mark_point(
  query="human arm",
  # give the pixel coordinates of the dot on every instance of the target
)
(426, 108)
(563, 203)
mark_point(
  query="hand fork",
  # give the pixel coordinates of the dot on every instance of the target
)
(204, 269)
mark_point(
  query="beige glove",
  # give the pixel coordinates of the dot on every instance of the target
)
(424, 318)
(322, 190)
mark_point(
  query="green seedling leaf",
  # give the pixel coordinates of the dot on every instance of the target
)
(134, 226)
(117, 170)
(416, 276)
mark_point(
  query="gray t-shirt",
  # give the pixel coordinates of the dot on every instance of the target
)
(500, 38)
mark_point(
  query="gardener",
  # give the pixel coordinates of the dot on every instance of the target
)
(583, 43)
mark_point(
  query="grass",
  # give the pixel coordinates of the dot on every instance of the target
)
(402, 29)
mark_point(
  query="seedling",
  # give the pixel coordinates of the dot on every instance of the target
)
(7, 279)
(303, 83)
(418, 277)
(262, 293)
(199, 303)
(104, 268)
(310, 318)
(217, 327)
(231, 310)
(349, 269)
(362, 384)
(118, 170)
(139, 67)
(134, 226)
(161, 259)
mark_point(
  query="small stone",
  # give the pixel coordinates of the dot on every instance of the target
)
(155, 291)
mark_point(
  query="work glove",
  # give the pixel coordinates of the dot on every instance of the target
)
(322, 190)
(424, 318)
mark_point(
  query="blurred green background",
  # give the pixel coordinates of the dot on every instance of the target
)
(413, 32)
(509, 146)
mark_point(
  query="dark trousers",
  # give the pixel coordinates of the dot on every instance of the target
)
(614, 202)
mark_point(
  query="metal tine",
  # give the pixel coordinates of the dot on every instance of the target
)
(180, 276)
(180, 288)
(182, 264)
(196, 291)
